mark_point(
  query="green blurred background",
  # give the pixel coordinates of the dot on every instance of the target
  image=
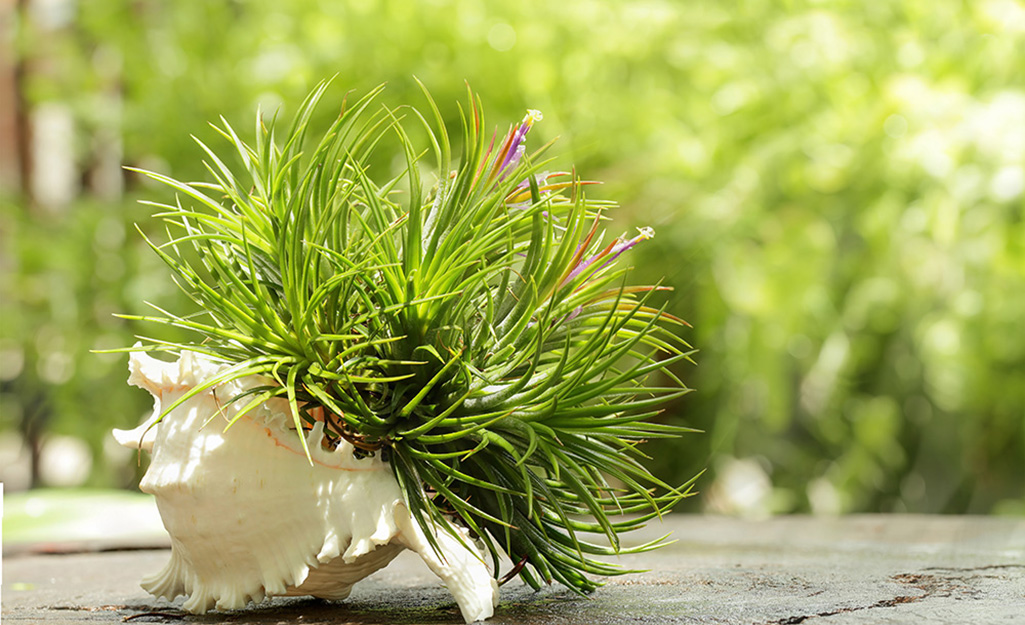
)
(836, 190)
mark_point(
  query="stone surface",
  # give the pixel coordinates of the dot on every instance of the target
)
(860, 569)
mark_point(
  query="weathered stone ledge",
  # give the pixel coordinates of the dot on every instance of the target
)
(784, 571)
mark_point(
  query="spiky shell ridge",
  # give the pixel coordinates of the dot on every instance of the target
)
(250, 517)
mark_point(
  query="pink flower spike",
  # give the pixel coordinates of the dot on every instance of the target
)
(516, 147)
(612, 252)
(644, 234)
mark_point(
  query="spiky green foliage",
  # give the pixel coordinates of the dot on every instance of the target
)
(476, 331)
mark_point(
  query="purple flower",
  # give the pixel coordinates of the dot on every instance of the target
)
(610, 253)
(516, 147)
(512, 149)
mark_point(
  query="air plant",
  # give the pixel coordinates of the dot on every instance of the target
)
(472, 336)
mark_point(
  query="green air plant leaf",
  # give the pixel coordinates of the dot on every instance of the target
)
(478, 334)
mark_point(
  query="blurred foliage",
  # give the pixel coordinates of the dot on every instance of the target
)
(836, 188)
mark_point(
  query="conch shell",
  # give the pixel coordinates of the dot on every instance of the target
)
(249, 515)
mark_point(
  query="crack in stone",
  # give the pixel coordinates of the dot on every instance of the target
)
(142, 611)
(969, 569)
(931, 586)
(95, 608)
(154, 614)
(885, 603)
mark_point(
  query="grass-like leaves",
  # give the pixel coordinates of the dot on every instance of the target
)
(477, 332)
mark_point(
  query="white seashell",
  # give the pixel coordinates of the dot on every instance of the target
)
(250, 517)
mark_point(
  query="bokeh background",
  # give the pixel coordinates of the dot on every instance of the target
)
(836, 190)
